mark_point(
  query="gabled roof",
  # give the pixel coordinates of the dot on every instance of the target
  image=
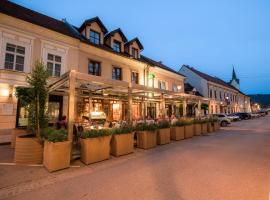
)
(190, 88)
(116, 31)
(34, 17)
(212, 79)
(94, 19)
(135, 40)
(159, 64)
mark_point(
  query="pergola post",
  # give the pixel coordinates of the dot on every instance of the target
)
(184, 107)
(130, 105)
(199, 108)
(71, 104)
(162, 104)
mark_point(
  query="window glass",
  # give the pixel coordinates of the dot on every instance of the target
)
(94, 37)
(12, 52)
(54, 65)
(117, 73)
(117, 46)
(94, 68)
(135, 53)
(135, 77)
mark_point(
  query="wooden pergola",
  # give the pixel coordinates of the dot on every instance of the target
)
(71, 82)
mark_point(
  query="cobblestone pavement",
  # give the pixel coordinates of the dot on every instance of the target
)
(232, 164)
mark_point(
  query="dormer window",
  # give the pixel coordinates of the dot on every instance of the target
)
(116, 46)
(135, 53)
(94, 37)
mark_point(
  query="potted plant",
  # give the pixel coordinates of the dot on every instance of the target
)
(95, 145)
(178, 130)
(163, 133)
(210, 128)
(204, 125)
(29, 148)
(197, 127)
(215, 124)
(146, 135)
(122, 141)
(189, 129)
(56, 149)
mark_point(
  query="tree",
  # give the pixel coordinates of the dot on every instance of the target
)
(34, 98)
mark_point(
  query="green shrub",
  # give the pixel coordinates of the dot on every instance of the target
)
(93, 133)
(54, 135)
(163, 124)
(183, 122)
(146, 127)
(122, 130)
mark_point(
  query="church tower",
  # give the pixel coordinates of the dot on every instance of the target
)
(235, 82)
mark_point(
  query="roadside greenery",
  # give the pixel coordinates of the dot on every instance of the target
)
(94, 133)
(122, 130)
(34, 98)
(163, 124)
(146, 127)
(54, 135)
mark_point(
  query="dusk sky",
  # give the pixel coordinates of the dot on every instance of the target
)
(208, 35)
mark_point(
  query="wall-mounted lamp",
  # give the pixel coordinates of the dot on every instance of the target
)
(4, 92)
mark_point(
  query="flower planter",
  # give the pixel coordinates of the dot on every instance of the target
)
(146, 139)
(216, 126)
(197, 129)
(16, 132)
(28, 150)
(209, 127)
(122, 144)
(56, 155)
(95, 149)
(189, 131)
(163, 136)
(177, 133)
(204, 128)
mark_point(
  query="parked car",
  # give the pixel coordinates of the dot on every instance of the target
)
(255, 115)
(263, 112)
(234, 117)
(223, 119)
(243, 115)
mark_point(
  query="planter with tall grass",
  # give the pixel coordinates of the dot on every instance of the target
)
(57, 150)
(197, 127)
(204, 124)
(189, 129)
(163, 133)
(146, 136)
(178, 130)
(95, 145)
(122, 141)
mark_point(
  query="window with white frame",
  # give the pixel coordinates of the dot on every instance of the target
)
(162, 85)
(14, 57)
(174, 88)
(54, 63)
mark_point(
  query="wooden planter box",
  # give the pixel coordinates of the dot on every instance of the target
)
(204, 128)
(16, 132)
(28, 150)
(209, 127)
(197, 129)
(95, 149)
(56, 155)
(177, 133)
(122, 144)
(216, 126)
(163, 136)
(146, 139)
(189, 131)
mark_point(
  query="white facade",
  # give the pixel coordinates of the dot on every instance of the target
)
(223, 99)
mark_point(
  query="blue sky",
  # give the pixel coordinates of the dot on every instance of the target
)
(210, 35)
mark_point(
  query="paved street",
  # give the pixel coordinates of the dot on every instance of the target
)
(232, 164)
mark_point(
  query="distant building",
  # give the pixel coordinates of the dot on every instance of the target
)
(224, 97)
